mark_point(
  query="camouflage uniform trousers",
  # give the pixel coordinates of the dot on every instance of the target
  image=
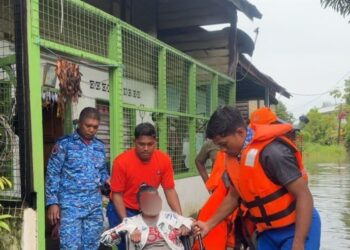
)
(81, 226)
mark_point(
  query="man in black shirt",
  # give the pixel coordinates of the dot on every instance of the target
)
(270, 180)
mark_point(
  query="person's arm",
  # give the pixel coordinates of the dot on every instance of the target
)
(304, 206)
(112, 236)
(53, 178)
(202, 170)
(173, 200)
(280, 165)
(118, 184)
(104, 176)
(182, 224)
(201, 158)
(228, 205)
(168, 185)
(118, 203)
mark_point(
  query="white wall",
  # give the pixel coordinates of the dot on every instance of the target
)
(94, 85)
(29, 230)
(192, 194)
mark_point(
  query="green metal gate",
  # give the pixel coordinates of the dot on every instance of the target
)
(184, 91)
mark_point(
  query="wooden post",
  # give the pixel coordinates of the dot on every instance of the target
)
(233, 53)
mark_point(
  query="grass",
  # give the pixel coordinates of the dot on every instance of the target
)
(316, 153)
(313, 153)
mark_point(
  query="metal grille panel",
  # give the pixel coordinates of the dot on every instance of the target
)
(156, 79)
(66, 23)
(9, 140)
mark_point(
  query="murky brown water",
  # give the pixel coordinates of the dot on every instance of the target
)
(330, 185)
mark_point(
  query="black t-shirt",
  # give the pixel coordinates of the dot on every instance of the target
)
(279, 163)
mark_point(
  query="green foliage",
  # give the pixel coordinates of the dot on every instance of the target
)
(3, 225)
(4, 182)
(282, 113)
(314, 152)
(336, 93)
(322, 128)
(347, 132)
(343, 97)
(340, 6)
(11, 240)
(346, 94)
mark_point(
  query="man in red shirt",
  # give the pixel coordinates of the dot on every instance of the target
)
(143, 164)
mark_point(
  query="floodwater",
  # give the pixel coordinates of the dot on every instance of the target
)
(330, 185)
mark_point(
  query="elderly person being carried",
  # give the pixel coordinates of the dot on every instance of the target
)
(152, 228)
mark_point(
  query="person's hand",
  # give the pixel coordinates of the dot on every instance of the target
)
(183, 231)
(135, 236)
(110, 238)
(53, 214)
(298, 245)
(200, 228)
(55, 233)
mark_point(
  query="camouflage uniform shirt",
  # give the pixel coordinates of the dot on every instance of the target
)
(75, 169)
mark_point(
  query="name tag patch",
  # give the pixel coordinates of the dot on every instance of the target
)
(250, 159)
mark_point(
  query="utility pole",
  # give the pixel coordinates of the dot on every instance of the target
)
(340, 117)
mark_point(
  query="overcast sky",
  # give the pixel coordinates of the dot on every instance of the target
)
(303, 47)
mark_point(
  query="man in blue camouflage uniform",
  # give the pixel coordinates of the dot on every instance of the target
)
(75, 172)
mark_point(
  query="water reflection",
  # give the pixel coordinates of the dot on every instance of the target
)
(330, 185)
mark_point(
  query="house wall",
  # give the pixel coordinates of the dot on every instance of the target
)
(92, 89)
(192, 194)
(132, 58)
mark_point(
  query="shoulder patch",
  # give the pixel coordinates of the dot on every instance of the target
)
(250, 158)
(55, 149)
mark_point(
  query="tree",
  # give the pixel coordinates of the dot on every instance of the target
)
(322, 128)
(3, 183)
(282, 113)
(336, 94)
(346, 94)
(340, 6)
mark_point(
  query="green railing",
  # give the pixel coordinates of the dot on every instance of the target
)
(178, 93)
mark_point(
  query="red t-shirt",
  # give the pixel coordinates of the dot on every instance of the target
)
(129, 172)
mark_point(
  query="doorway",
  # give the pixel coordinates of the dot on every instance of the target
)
(53, 129)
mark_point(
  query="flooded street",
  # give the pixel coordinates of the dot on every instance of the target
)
(330, 185)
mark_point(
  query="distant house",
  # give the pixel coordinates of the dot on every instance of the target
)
(336, 110)
(328, 109)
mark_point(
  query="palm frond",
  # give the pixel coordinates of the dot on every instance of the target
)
(340, 6)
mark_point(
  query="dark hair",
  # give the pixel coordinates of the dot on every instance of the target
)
(146, 129)
(145, 188)
(224, 121)
(89, 113)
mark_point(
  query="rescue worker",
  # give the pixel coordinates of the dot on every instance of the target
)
(142, 164)
(269, 177)
(222, 235)
(75, 172)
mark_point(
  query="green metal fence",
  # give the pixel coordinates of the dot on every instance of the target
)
(9, 140)
(177, 90)
(178, 93)
(170, 100)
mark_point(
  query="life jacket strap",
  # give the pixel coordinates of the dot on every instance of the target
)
(267, 219)
(258, 201)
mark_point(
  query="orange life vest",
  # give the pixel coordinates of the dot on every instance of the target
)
(217, 172)
(220, 237)
(269, 205)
